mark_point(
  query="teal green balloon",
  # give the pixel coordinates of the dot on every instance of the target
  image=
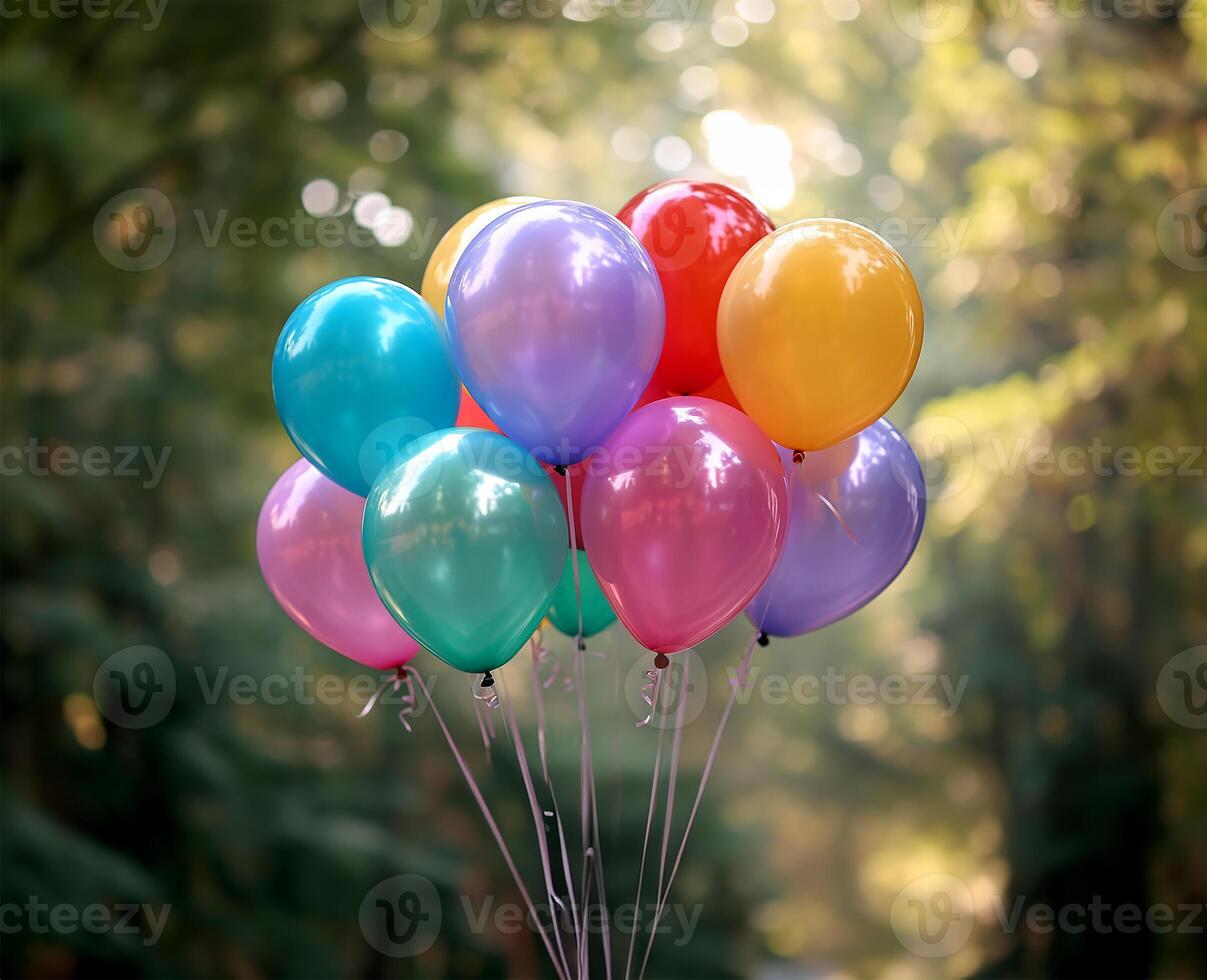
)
(465, 540)
(598, 614)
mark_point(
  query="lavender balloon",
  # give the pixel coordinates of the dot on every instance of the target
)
(555, 319)
(855, 519)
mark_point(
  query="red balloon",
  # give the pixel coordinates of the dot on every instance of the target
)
(654, 392)
(471, 415)
(720, 391)
(685, 510)
(695, 232)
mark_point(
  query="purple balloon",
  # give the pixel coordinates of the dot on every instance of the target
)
(836, 561)
(555, 319)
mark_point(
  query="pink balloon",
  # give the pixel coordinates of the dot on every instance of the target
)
(308, 540)
(685, 510)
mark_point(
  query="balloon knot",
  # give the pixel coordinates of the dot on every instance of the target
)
(764, 640)
(488, 679)
(798, 456)
(559, 469)
(662, 661)
(582, 646)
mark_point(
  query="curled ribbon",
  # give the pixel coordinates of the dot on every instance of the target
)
(487, 695)
(545, 659)
(400, 681)
(649, 694)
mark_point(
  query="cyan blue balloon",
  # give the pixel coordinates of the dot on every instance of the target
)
(362, 368)
(465, 540)
(855, 517)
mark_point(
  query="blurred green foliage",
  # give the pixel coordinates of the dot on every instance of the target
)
(1024, 157)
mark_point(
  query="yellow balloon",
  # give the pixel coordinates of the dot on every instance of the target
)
(456, 239)
(819, 328)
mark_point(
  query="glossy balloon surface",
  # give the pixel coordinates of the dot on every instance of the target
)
(308, 543)
(444, 258)
(829, 568)
(465, 540)
(555, 321)
(598, 615)
(820, 328)
(695, 232)
(684, 512)
(360, 369)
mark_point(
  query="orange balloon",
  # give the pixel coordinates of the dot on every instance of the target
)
(448, 250)
(820, 327)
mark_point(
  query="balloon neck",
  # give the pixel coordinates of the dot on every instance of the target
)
(798, 456)
(662, 661)
(559, 469)
(582, 645)
(488, 679)
(764, 640)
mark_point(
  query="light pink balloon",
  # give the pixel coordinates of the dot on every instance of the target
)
(308, 540)
(685, 510)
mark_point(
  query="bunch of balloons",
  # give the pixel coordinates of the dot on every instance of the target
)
(689, 395)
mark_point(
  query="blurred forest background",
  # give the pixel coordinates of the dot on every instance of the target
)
(1041, 167)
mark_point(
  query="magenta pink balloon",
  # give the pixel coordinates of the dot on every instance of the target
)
(308, 540)
(685, 510)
